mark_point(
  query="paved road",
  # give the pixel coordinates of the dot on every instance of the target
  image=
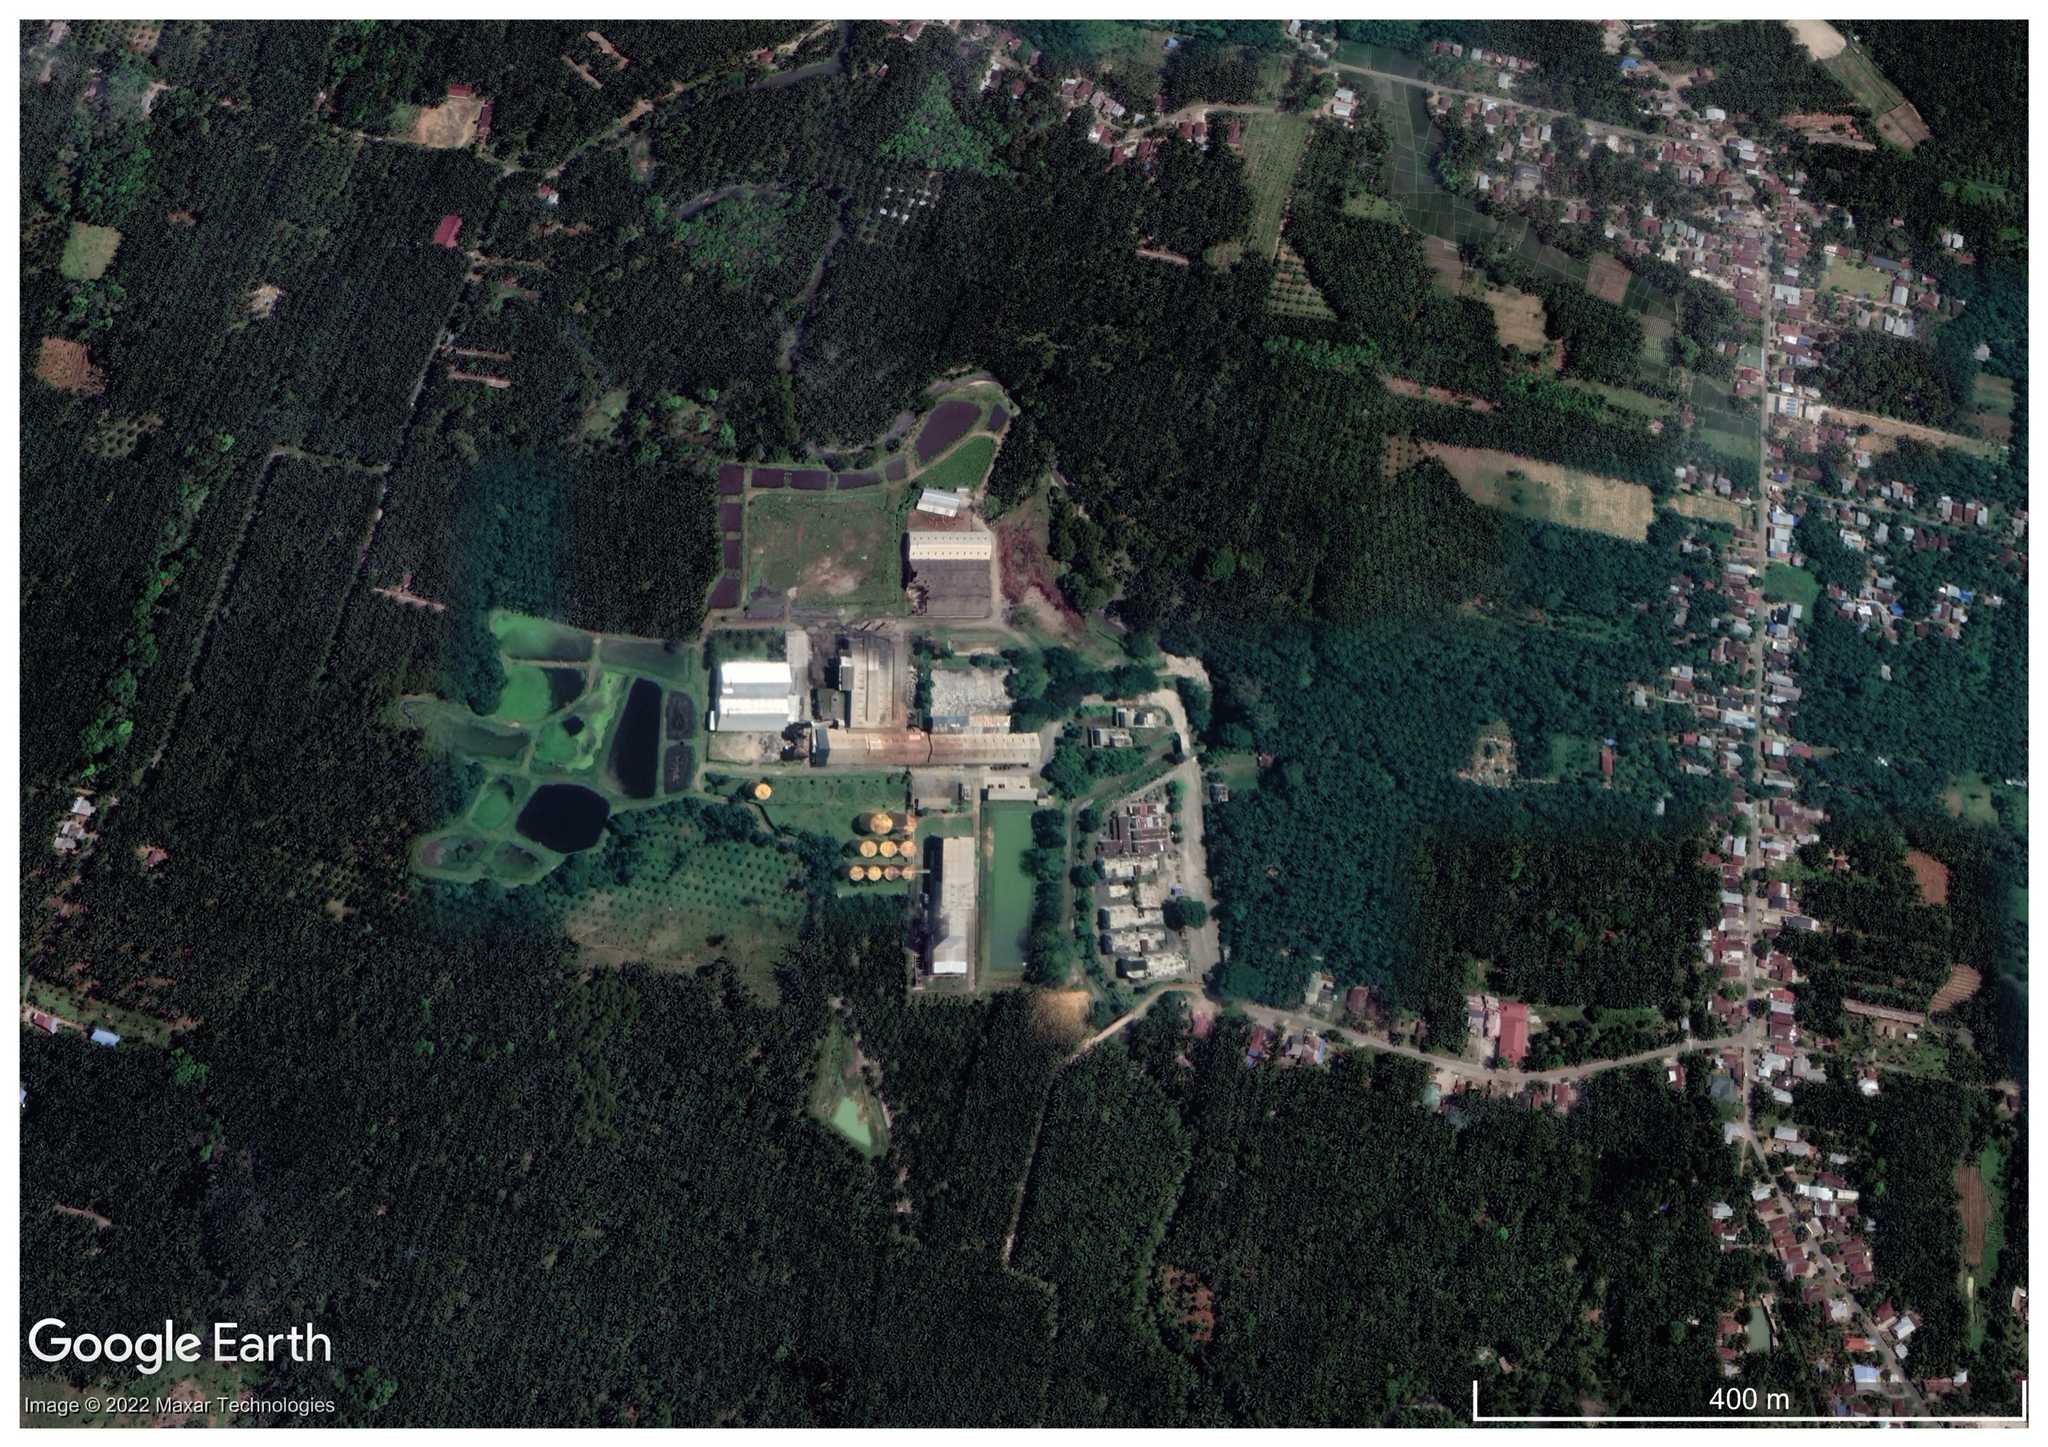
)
(1456, 1065)
(1593, 128)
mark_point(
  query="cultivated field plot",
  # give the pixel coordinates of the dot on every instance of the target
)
(1273, 147)
(694, 901)
(1625, 399)
(1608, 279)
(1725, 426)
(1006, 892)
(1293, 294)
(89, 251)
(1898, 120)
(1548, 491)
(828, 549)
(1885, 432)
(962, 469)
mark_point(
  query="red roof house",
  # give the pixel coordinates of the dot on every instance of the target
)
(1514, 1031)
(447, 233)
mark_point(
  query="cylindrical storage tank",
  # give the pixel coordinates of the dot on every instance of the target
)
(879, 823)
(888, 848)
(892, 872)
(856, 873)
(763, 790)
(874, 872)
(867, 849)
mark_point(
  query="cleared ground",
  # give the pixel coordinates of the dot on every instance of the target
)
(1518, 317)
(1821, 39)
(448, 126)
(1887, 430)
(1549, 491)
(1708, 509)
(828, 549)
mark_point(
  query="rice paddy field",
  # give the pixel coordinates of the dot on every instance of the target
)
(1006, 892)
(1548, 491)
(1723, 424)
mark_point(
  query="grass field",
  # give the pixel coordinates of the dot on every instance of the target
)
(1784, 583)
(1707, 508)
(1983, 1203)
(1549, 492)
(1006, 891)
(700, 901)
(1969, 797)
(1273, 147)
(89, 251)
(1862, 79)
(829, 549)
(1623, 399)
(962, 469)
(1857, 279)
(831, 804)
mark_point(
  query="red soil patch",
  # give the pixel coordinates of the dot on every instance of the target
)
(1961, 984)
(1028, 570)
(63, 364)
(1930, 874)
(1970, 1186)
(1192, 1302)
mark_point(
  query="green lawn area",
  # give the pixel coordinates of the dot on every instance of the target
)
(829, 549)
(1006, 890)
(88, 251)
(1860, 76)
(1784, 583)
(1857, 279)
(1573, 757)
(1373, 207)
(1969, 797)
(831, 804)
(1994, 394)
(525, 695)
(962, 469)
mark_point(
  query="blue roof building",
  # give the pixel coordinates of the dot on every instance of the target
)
(104, 1036)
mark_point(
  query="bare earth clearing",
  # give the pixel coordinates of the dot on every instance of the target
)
(1822, 40)
(1549, 491)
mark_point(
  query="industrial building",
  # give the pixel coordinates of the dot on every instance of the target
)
(948, 563)
(867, 676)
(969, 700)
(755, 695)
(953, 924)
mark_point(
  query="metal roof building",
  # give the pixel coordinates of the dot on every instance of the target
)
(757, 695)
(954, 926)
